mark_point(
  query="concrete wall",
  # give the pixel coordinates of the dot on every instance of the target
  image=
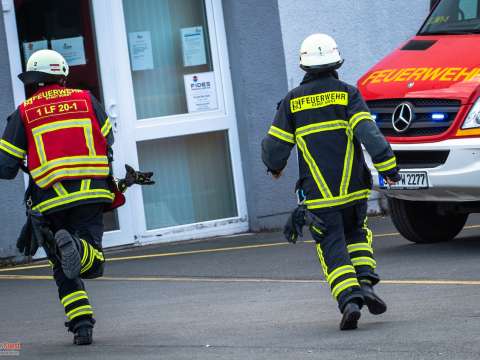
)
(259, 81)
(12, 212)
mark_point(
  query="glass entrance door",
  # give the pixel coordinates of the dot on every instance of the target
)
(171, 100)
(67, 27)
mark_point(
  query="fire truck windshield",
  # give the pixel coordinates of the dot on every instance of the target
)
(453, 17)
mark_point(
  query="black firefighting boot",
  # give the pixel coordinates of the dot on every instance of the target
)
(69, 253)
(375, 305)
(82, 331)
(351, 315)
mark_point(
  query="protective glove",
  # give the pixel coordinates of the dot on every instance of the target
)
(25, 238)
(294, 226)
(300, 217)
(42, 236)
(392, 175)
(134, 177)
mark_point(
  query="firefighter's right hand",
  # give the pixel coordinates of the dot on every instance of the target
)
(393, 179)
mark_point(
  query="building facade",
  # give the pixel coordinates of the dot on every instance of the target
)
(191, 87)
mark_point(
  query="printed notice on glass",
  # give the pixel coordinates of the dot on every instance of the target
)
(72, 50)
(201, 92)
(141, 54)
(30, 47)
(193, 46)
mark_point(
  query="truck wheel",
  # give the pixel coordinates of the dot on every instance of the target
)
(420, 222)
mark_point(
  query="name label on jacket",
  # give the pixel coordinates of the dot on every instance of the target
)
(320, 100)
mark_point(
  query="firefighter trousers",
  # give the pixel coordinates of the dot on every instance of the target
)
(346, 253)
(85, 223)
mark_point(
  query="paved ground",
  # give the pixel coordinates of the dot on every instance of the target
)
(256, 297)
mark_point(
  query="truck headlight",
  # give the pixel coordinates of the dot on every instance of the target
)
(473, 118)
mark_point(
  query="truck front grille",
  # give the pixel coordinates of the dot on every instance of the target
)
(423, 109)
(408, 159)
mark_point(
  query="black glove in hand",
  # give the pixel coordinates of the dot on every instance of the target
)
(134, 177)
(293, 227)
(300, 217)
(396, 177)
(25, 238)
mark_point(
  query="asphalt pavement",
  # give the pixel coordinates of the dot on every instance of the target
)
(255, 297)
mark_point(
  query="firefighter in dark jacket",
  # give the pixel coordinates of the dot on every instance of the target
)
(65, 137)
(328, 121)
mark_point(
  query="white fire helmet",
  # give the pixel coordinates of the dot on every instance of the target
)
(318, 52)
(44, 65)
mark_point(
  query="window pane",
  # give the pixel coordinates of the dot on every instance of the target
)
(193, 179)
(167, 40)
(110, 221)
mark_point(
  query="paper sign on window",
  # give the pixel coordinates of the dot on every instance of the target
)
(72, 50)
(141, 54)
(201, 92)
(193, 46)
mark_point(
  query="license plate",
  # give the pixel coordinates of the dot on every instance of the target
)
(410, 180)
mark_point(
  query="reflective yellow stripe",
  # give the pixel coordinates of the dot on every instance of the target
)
(81, 309)
(74, 294)
(338, 200)
(81, 297)
(340, 271)
(386, 165)
(359, 247)
(322, 126)
(281, 134)
(318, 231)
(342, 286)
(63, 124)
(59, 189)
(322, 260)
(347, 165)
(44, 182)
(38, 132)
(355, 119)
(319, 100)
(90, 262)
(106, 127)
(85, 252)
(369, 232)
(72, 197)
(363, 260)
(85, 184)
(94, 254)
(317, 175)
(68, 161)
(12, 149)
(87, 312)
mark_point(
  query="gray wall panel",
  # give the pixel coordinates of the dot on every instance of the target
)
(365, 31)
(12, 212)
(259, 82)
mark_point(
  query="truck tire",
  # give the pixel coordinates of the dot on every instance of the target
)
(420, 222)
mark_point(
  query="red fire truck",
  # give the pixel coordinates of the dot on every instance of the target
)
(424, 97)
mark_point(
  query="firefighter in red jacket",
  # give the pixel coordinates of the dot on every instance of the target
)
(66, 137)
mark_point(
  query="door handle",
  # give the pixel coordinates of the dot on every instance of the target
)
(113, 115)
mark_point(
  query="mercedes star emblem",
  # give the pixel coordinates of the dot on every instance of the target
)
(402, 117)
